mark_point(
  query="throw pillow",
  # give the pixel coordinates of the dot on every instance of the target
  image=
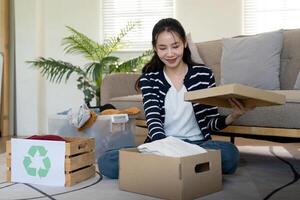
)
(297, 83)
(194, 51)
(252, 60)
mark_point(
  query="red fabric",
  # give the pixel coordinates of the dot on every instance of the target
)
(46, 137)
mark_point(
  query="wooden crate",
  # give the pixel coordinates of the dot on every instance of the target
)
(79, 160)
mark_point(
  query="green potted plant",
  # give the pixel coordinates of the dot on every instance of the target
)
(100, 62)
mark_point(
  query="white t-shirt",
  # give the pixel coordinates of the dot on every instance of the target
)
(180, 119)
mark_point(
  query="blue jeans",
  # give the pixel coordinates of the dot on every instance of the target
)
(108, 163)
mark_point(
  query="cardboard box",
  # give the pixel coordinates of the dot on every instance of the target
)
(169, 177)
(79, 163)
(249, 96)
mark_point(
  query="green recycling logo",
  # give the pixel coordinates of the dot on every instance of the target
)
(33, 152)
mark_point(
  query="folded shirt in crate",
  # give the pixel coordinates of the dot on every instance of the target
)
(172, 147)
(46, 137)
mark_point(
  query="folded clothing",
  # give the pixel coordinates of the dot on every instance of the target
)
(89, 122)
(129, 111)
(81, 117)
(171, 146)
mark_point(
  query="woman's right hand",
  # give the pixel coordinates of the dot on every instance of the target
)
(238, 110)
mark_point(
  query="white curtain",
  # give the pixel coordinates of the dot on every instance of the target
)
(267, 15)
(117, 13)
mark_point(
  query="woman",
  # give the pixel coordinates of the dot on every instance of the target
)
(170, 73)
(164, 80)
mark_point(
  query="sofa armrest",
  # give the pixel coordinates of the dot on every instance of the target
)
(117, 85)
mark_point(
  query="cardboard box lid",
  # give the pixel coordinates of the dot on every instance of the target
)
(249, 96)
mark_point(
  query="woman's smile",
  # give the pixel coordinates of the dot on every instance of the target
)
(171, 61)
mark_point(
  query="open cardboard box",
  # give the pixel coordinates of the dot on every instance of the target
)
(249, 96)
(170, 177)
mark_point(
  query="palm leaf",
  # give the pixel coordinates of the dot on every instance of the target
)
(96, 70)
(55, 70)
(110, 61)
(134, 64)
(78, 43)
(100, 62)
(114, 43)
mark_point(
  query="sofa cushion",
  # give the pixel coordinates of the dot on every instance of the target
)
(193, 48)
(211, 53)
(129, 101)
(290, 59)
(272, 116)
(253, 60)
(297, 83)
(118, 84)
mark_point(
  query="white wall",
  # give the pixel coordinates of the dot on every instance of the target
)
(210, 19)
(40, 27)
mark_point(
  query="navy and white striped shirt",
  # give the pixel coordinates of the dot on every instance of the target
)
(154, 88)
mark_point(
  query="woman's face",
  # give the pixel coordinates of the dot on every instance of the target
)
(169, 48)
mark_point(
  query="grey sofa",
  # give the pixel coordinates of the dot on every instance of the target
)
(281, 121)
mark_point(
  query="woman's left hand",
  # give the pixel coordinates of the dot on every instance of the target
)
(238, 110)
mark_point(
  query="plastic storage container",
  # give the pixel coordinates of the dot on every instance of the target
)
(107, 130)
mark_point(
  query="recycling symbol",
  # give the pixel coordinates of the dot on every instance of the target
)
(33, 152)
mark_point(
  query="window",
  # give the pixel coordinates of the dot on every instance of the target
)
(267, 15)
(117, 13)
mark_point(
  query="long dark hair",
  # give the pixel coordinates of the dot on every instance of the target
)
(169, 25)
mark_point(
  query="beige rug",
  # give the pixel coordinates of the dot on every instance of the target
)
(265, 172)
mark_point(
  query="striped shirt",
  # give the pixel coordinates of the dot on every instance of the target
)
(154, 87)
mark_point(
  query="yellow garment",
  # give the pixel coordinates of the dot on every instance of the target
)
(129, 111)
(89, 122)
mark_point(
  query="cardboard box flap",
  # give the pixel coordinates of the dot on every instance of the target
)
(249, 96)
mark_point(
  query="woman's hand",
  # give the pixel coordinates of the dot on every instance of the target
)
(238, 110)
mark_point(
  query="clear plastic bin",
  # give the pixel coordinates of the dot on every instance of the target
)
(108, 135)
